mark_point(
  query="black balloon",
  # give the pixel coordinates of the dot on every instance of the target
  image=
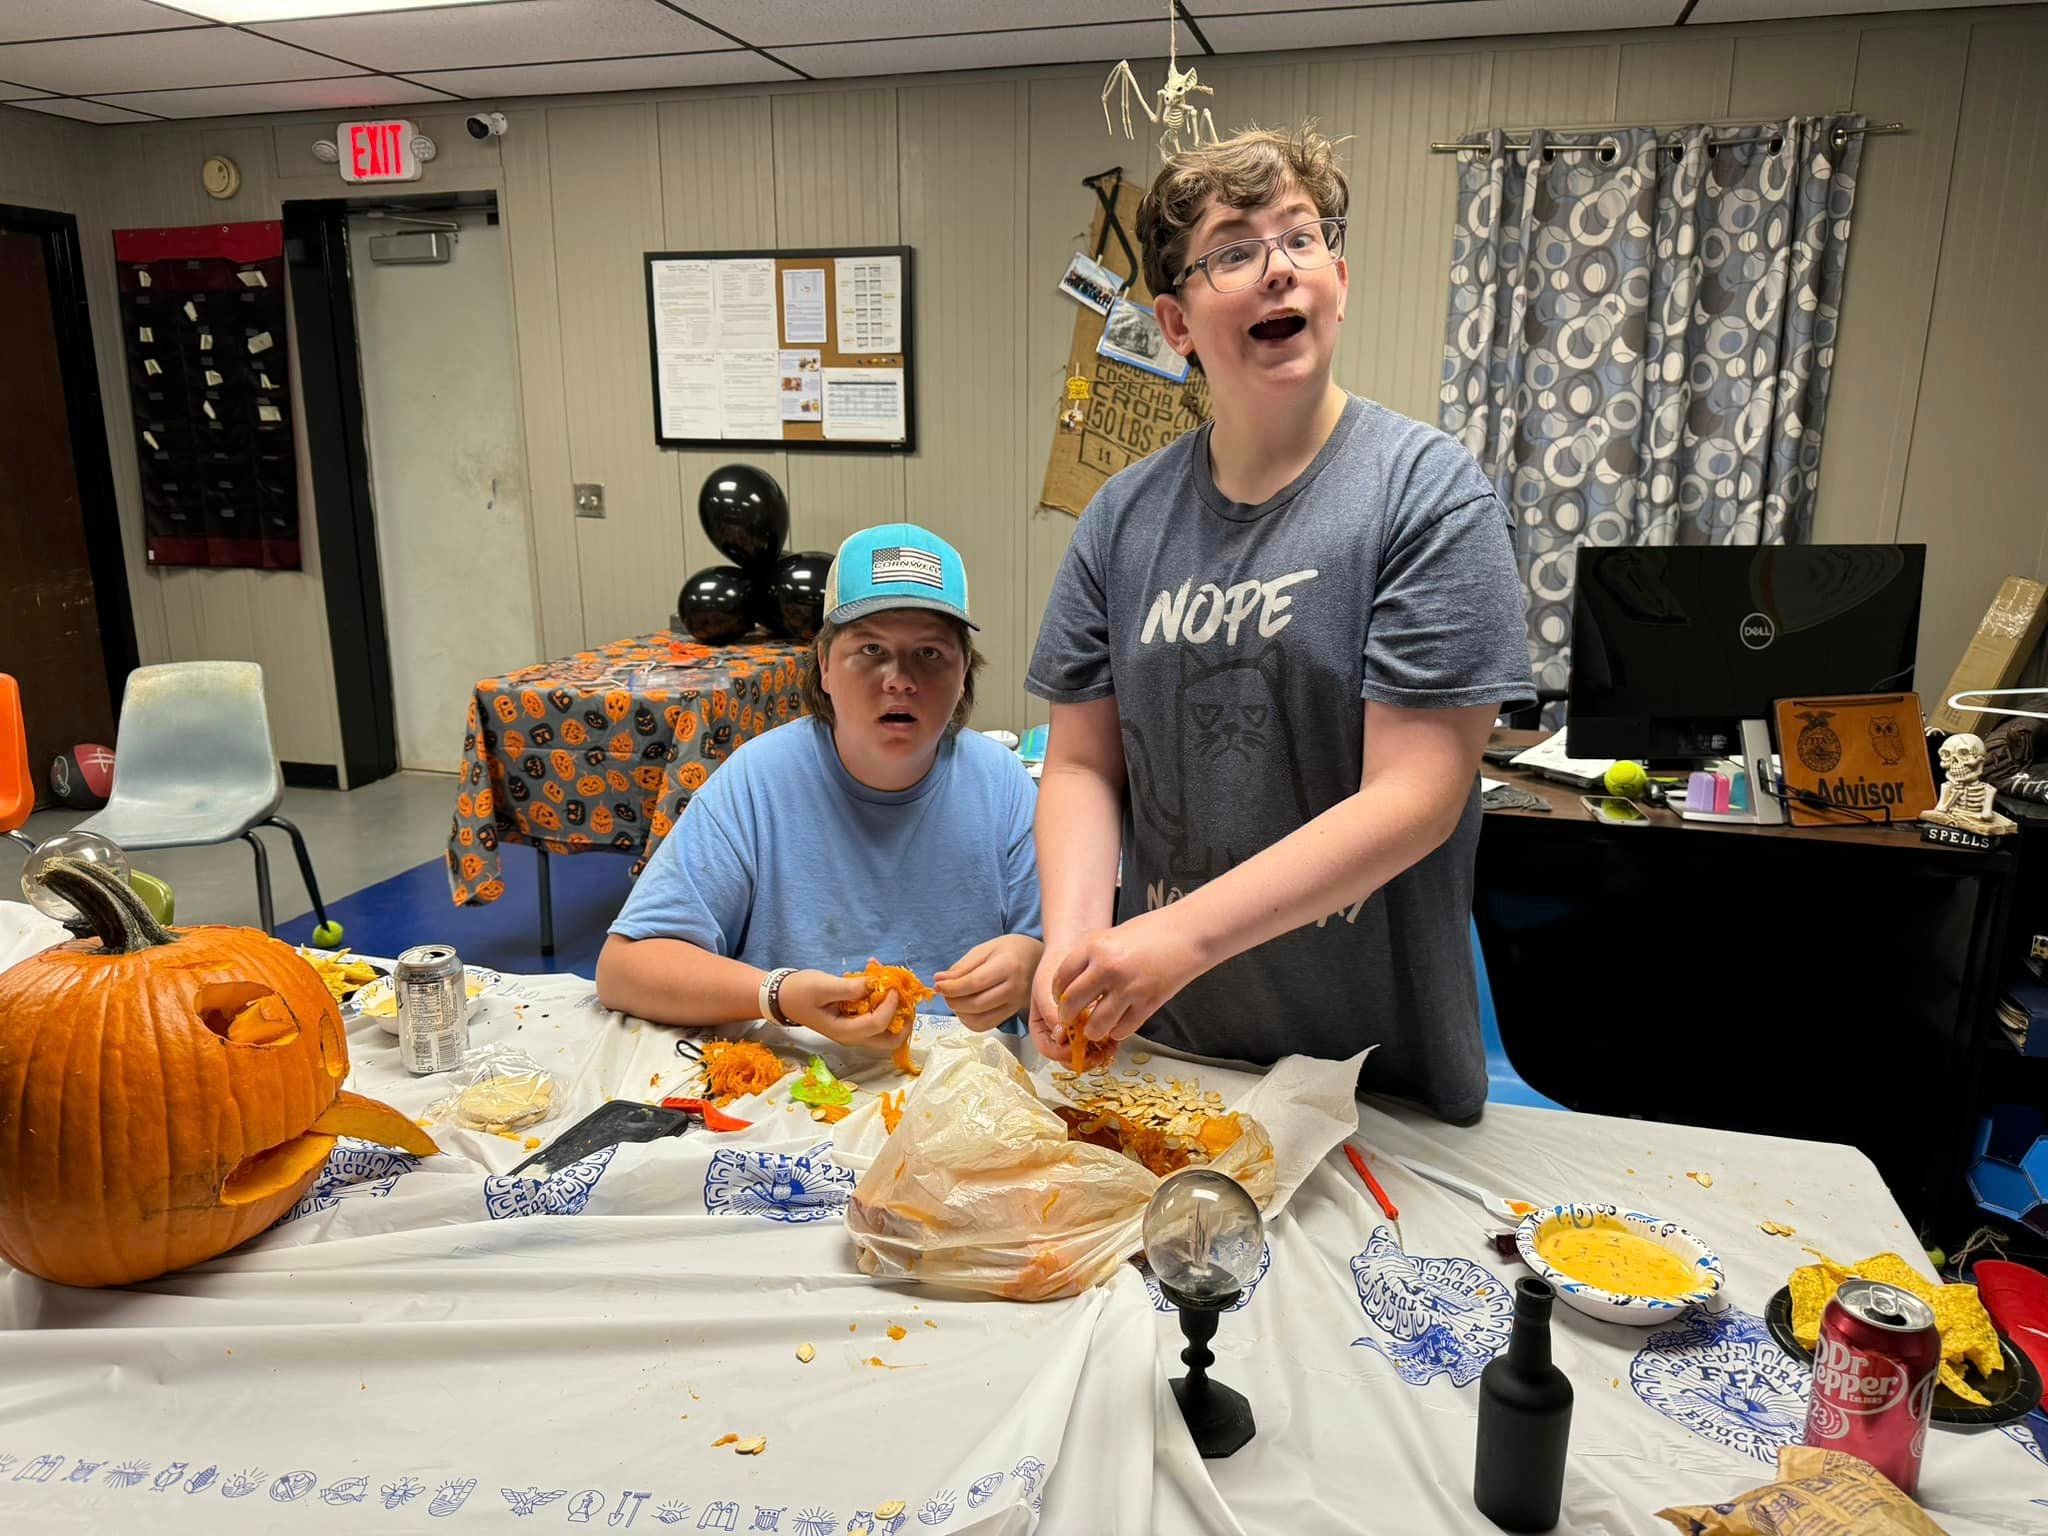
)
(797, 594)
(745, 514)
(761, 608)
(717, 604)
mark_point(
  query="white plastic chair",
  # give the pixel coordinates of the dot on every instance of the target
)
(193, 765)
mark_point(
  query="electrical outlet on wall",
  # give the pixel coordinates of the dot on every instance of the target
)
(589, 500)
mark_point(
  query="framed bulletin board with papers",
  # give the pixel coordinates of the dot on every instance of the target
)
(783, 349)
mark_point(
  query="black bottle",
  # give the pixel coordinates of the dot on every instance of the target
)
(1525, 1422)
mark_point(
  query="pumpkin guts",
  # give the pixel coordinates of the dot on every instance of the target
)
(881, 981)
(735, 1068)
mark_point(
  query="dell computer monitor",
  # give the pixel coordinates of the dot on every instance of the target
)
(1673, 647)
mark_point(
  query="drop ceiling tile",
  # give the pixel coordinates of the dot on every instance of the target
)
(25, 20)
(244, 12)
(512, 32)
(282, 96)
(1337, 27)
(83, 111)
(1711, 11)
(1201, 10)
(733, 67)
(773, 23)
(12, 92)
(987, 50)
(155, 61)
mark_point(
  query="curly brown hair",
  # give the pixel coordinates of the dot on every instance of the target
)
(817, 702)
(1250, 169)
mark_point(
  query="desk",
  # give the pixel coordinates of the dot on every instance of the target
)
(428, 1346)
(1782, 980)
(602, 750)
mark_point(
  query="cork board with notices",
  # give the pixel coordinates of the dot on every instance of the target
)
(783, 349)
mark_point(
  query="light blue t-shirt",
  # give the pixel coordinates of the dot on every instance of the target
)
(784, 858)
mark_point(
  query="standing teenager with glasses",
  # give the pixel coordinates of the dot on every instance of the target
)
(1273, 654)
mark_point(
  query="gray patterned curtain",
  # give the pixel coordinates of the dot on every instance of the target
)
(1641, 336)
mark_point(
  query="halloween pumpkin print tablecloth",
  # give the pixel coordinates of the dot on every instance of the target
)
(603, 750)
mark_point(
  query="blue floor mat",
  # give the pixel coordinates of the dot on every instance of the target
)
(413, 908)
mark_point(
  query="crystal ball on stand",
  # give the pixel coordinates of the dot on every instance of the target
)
(1204, 1236)
(1203, 1239)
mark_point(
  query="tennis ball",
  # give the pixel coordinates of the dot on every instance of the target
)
(1628, 780)
(327, 935)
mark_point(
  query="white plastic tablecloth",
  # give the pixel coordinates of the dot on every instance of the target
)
(427, 1345)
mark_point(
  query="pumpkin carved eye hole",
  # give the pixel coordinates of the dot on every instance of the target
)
(333, 1048)
(245, 1013)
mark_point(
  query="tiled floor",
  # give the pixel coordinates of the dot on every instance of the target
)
(356, 839)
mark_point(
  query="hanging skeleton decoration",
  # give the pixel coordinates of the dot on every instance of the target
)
(1176, 112)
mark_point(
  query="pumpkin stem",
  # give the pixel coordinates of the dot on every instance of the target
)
(112, 912)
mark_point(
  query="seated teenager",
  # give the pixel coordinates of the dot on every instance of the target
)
(874, 828)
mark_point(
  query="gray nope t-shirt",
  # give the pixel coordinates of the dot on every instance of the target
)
(1238, 642)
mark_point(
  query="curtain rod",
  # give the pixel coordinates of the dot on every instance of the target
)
(1567, 149)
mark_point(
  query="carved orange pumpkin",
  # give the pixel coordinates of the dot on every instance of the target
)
(165, 1094)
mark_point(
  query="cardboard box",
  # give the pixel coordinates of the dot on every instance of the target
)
(1998, 652)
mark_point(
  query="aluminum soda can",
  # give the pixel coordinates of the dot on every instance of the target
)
(1874, 1372)
(433, 1008)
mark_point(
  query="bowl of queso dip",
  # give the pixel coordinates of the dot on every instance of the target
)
(1619, 1266)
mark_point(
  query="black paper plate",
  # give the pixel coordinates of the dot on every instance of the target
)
(2015, 1391)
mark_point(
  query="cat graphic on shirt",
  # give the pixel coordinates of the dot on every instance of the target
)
(1232, 743)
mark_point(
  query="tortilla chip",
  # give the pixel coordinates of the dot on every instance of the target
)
(1891, 1269)
(1966, 1330)
(1811, 1287)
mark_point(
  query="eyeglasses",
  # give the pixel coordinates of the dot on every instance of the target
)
(1234, 267)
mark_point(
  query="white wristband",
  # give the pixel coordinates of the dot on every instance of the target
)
(770, 991)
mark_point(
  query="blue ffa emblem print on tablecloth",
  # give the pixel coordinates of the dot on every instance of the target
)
(353, 1170)
(2032, 1434)
(1430, 1317)
(562, 1193)
(1725, 1379)
(782, 1186)
(1161, 1304)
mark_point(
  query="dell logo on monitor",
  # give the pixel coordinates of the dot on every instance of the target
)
(1758, 631)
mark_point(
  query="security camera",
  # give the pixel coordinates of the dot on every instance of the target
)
(486, 125)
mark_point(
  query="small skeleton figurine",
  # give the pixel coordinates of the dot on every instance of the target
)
(1176, 111)
(1966, 795)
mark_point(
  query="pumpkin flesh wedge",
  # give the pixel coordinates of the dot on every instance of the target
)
(276, 1169)
(367, 1120)
(267, 1021)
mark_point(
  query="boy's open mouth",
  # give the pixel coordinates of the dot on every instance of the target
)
(1282, 325)
(898, 717)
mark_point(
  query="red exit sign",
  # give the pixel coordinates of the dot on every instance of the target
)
(379, 151)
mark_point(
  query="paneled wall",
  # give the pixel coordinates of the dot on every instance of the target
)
(1926, 437)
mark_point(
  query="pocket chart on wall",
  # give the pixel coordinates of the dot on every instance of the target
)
(204, 324)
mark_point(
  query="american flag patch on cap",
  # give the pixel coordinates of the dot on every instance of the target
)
(897, 563)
